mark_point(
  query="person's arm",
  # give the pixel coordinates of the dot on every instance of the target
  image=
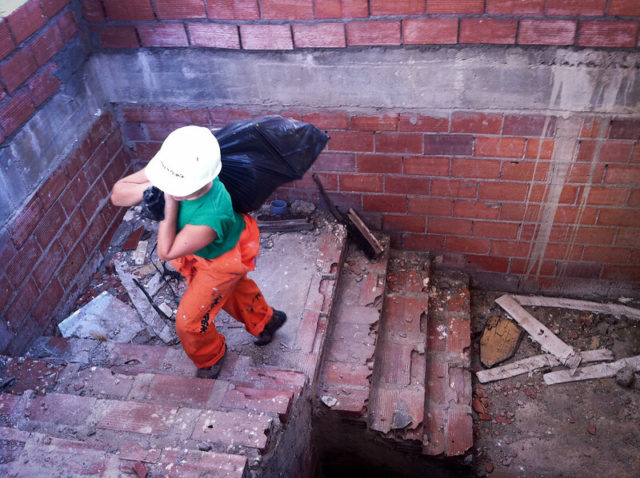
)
(190, 239)
(128, 190)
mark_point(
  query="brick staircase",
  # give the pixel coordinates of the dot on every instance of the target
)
(398, 358)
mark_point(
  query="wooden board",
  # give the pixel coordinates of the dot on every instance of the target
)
(366, 233)
(601, 370)
(539, 332)
(536, 362)
(613, 309)
(499, 341)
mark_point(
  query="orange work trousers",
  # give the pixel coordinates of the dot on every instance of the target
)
(215, 284)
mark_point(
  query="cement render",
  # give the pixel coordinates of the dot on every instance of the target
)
(550, 80)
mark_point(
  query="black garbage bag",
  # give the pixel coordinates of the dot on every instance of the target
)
(261, 154)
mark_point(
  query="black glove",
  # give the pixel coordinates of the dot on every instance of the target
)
(153, 203)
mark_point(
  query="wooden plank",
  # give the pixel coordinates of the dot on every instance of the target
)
(537, 361)
(601, 370)
(285, 225)
(585, 305)
(364, 230)
(499, 341)
(539, 332)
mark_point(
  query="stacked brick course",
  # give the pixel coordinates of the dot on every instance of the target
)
(285, 25)
(67, 225)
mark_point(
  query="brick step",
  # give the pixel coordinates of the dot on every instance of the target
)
(257, 394)
(115, 423)
(28, 454)
(448, 426)
(344, 379)
(398, 385)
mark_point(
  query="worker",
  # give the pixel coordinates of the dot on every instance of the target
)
(210, 244)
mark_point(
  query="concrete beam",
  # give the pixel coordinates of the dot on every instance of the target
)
(549, 80)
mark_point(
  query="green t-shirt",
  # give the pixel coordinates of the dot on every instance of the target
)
(214, 209)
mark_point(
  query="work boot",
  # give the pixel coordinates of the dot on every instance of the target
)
(213, 371)
(277, 320)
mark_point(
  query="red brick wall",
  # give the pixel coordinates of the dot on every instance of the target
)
(471, 186)
(286, 24)
(67, 225)
(30, 37)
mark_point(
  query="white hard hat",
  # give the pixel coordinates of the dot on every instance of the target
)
(188, 159)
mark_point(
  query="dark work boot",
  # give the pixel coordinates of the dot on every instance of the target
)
(277, 320)
(213, 371)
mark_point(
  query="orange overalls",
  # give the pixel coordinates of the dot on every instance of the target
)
(215, 284)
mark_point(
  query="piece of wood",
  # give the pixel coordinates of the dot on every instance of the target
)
(373, 241)
(539, 332)
(537, 361)
(285, 225)
(499, 341)
(613, 309)
(601, 370)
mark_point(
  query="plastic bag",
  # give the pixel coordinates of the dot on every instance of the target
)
(153, 203)
(261, 154)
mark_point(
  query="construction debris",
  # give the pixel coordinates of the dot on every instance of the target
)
(540, 333)
(537, 362)
(499, 341)
(105, 316)
(601, 370)
(616, 310)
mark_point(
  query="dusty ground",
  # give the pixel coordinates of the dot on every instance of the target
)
(587, 428)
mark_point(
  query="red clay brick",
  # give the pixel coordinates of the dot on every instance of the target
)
(576, 7)
(406, 185)
(616, 151)
(475, 168)
(136, 417)
(520, 212)
(459, 432)
(583, 173)
(336, 162)
(93, 11)
(373, 32)
(501, 230)
(547, 32)
(327, 120)
(396, 363)
(477, 123)
(634, 198)
(233, 9)
(375, 123)
(44, 85)
(424, 242)
(540, 193)
(6, 292)
(351, 141)
(162, 35)
(400, 7)
(72, 230)
(214, 35)
(423, 123)
(360, 182)
(625, 129)
(341, 8)
(24, 224)
(628, 237)
(130, 11)
(384, 203)
(379, 163)
(322, 35)
(460, 6)
(510, 248)
(537, 151)
(403, 223)
(266, 37)
(93, 234)
(454, 188)
(618, 174)
(18, 69)
(500, 147)
(430, 31)
(439, 225)
(624, 8)
(398, 143)
(6, 41)
(435, 441)
(21, 305)
(115, 36)
(426, 166)
(144, 114)
(259, 400)
(174, 10)
(607, 254)
(474, 209)
(621, 34)
(525, 171)
(47, 44)
(430, 206)
(528, 125)
(515, 7)
(488, 30)
(608, 196)
(468, 245)
(51, 7)
(596, 235)
(25, 20)
(505, 191)
(72, 266)
(48, 265)
(286, 10)
(50, 224)
(347, 374)
(448, 144)
(488, 263)
(621, 273)
(229, 428)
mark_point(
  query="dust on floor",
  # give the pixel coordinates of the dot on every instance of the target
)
(524, 428)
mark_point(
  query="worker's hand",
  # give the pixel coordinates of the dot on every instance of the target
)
(129, 190)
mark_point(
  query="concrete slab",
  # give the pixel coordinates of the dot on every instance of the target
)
(106, 317)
